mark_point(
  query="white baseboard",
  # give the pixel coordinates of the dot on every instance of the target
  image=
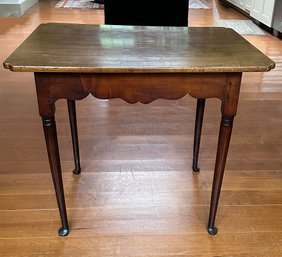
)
(17, 9)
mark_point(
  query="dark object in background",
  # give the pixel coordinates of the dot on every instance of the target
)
(278, 19)
(98, 1)
(153, 13)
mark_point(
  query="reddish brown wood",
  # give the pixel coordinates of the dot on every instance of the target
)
(136, 64)
(50, 132)
(74, 135)
(229, 109)
(197, 132)
(132, 88)
(135, 88)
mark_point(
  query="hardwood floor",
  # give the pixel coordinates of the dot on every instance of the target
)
(137, 195)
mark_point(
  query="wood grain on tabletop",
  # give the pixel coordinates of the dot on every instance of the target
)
(98, 48)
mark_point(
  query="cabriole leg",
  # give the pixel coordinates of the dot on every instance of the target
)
(198, 132)
(74, 135)
(50, 132)
(222, 150)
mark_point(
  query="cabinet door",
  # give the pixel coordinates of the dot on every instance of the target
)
(257, 8)
(248, 5)
(267, 12)
(245, 5)
(235, 2)
(262, 11)
(241, 4)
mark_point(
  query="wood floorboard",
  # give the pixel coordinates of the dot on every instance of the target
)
(145, 245)
(137, 194)
(131, 219)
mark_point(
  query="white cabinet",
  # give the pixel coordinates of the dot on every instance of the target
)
(262, 10)
(235, 2)
(248, 5)
(257, 8)
(15, 7)
(242, 4)
(245, 5)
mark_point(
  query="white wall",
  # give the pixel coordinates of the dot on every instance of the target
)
(11, 1)
(15, 7)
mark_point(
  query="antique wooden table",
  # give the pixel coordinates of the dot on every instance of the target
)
(136, 64)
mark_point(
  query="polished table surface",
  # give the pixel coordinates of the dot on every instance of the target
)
(136, 64)
(111, 48)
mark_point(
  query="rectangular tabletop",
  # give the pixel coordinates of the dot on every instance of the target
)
(59, 47)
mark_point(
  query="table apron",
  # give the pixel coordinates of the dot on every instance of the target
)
(137, 87)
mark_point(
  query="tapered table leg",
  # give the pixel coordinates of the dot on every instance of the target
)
(222, 150)
(50, 133)
(74, 135)
(198, 132)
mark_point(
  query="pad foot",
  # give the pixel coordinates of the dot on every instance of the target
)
(63, 231)
(77, 170)
(196, 168)
(212, 231)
